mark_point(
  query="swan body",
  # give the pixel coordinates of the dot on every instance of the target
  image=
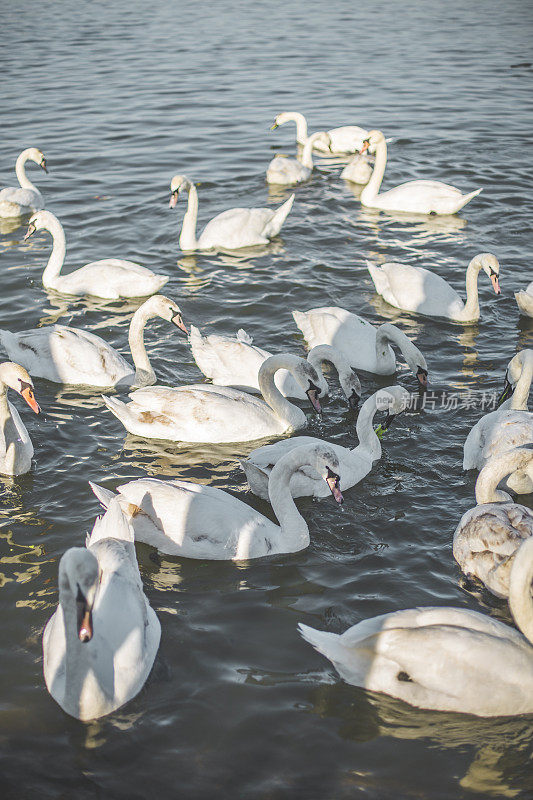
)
(506, 428)
(415, 197)
(110, 278)
(524, 300)
(195, 521)
(78, 357)
(16, 449)
(216, 414)
(354, 464)
(230, 230)
(100, 644)
(420, 291)
(366, 347)
(347, 139)
(282, 170)
(16, 202)
(359, 170)
(235, 362)
(487, 537)
(447, 659)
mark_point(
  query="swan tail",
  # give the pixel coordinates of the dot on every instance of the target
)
(118, 409)
(257, 478)
(468, 197)
(242, 336)
(114, 523)
(381, 281)
(280, 215)
(326, 643)
(302, 321)
(104, 495)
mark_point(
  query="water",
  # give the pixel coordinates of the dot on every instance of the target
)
(120, 97)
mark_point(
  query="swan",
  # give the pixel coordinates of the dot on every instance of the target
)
(524, 300)
(74, 356)
(446, 659)
(205, 413)
(358, 170)
(488, 536)
(196, 521)
(347, 139)
(16, 202)
(420, 291)
(285, 170)
(110, 278)
(506, 428)
(416, 197)
(235, 362)
(366, 347)
(237, 227)
(16, 449)
(354, 464)
(100, 643)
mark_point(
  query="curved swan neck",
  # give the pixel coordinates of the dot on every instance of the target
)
(523, 384)
(325, 352)
(144, 373)
(282, 407)
(307, 157)
(293, 526)
(301, 125)
(495, 470)
(520, 598)
(188, 239)
(366, 434)
(57, 256)
(371, 190)
(471, 307)
(22, 178)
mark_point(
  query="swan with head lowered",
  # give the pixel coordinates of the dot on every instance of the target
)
(366, 347)
(415, 197)
(78, 357)
(16, 202)
(354, 464)
(524, 300)
(16, 449)
(100, 644)
(446, 659)
(510, 426)
(359, 170)
(230, 230)
(110, 278)
(283, 170)
(347, 139)
(216, 414)
(420, 291)
(235, 362)
(196, 521)
(488, 536)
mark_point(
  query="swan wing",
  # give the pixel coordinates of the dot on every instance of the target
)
(424, 197)
(347, 138)
(495, 433)
(417, 289)
(111, 278)
(227, 361)
(286, 170)
(244, 227)
(26, 199)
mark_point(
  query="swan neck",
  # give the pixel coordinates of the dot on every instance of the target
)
(368, 439)
(520, 597)
(57, 256)
(371, 190)
(188, 239)
(20, 171)
(144, 373)
(286, 411)
(293, 526)
(5, 412)
(471, 307)
(307, 157)
(520, 396)
(301, 126)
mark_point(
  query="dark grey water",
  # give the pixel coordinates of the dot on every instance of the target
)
(120, 97)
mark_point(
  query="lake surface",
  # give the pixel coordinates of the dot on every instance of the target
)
(120, 97)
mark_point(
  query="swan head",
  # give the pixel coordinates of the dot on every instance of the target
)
(78, 576)
(387, 332)
(34, 154)
(351, 386)
(307, 377)
(393, 400)
(285, 116)
(326, 464)
(178, 184)
(160, 306)
(513, 373)
(16, 377)
(371, 142)
(491, 266)
(38, 221)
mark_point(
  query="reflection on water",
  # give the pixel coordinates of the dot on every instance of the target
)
(412, 229)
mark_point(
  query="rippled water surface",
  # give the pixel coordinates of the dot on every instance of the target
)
(120, 96)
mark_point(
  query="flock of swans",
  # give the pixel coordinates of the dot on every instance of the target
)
(101, 642)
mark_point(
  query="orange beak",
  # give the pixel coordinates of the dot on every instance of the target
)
(364, 148)
(495, 283)
(29, 397)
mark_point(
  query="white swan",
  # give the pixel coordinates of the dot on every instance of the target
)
(358, 170)
(283, 170)
(447, 659)
(420, 291)
(110, 278)
(366, 347)
(488, 536)
(354, 464)
(416, 197)
(100, 644)
(196, 521)
(235, 228)
(347, 139)
(74, 356)
(506, 428)
(216, 414)
(524, 300)
(235, 362)
(16, 449)
(16, 202)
